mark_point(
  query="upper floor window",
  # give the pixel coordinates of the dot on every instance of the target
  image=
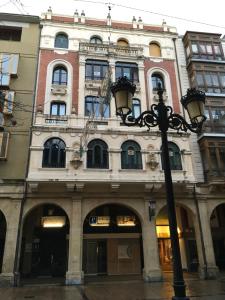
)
(130, 70)
(95, 106)
(10, 33)
(54, 154)
(131, 155)
(95, 40)
(61, 41)
(154, 50)
(174, 156)
(95, 69)
(122, 43)
(59, 75)
(206, 50)
(58, 108)
(211, 82)
(97, 155)
(136, 108)
(156, 80)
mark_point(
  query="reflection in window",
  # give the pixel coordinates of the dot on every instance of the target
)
(174, 156)
(131, 155)
(96, 106)
(54, 154)
(59, 76)
(61, 41)
(97, 154)
(58, 108)
(156, 80)
(129, 70)
(95, 69)
(136, 108)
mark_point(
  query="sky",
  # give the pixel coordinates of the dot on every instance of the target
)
(151, 12)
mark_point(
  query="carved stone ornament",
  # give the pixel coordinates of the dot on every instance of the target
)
(151, 161)
(76, 160)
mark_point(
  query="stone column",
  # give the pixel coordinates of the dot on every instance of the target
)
(74, 274)
(208, 270)
(12, 219)
(152, 270)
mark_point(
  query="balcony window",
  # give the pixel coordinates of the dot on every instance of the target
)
(95, 40)
(97, 107)
(131, 155)
(95, 69)
(59, 76)
(211, 82)
(206, 50)
(97, 154)
(61, 41)
(54, 154)
(129, 70)
(58, 108)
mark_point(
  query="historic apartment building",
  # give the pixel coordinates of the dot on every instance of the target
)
(206, 70)
(19, 45)
(95, 199)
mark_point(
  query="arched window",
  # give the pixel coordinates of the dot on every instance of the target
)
(97, 155)
(154, 50)
(122, 43)
(61, 41)
(58, 108)
(131, 155)
(94, 106)
(95, 40)
(59, 75)
(156, 79)
(175, 157)
(54, 154)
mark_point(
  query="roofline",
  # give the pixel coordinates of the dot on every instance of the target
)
(19, 18)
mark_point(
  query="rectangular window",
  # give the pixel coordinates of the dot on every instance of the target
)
(194, 48)
(10, 33)
(95, 69)
(129, 70)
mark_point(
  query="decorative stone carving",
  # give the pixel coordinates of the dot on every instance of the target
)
(151, 158)
(76, 160)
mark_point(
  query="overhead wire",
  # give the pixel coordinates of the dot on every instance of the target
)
(153, 13)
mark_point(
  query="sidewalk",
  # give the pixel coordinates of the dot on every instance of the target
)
(134, 289)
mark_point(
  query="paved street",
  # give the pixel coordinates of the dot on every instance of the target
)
(132, 289)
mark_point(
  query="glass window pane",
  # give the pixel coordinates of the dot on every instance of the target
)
(215, 80)
(54, 109)
(62, 109)
(194, 48)
(202, 48)
(217, 49)
(200, 80)
(222, 79)
(209, 48)
(208, 79)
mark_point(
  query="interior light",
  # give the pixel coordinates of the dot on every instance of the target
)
(53, 221)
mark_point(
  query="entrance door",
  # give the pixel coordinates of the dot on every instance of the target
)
(95, 257)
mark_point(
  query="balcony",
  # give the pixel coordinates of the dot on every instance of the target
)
(104, 49)
(55, 120)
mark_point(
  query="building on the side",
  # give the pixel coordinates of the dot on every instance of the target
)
(205, 63)
(19, 46)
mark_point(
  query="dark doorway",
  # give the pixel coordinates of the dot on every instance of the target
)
(2, 237)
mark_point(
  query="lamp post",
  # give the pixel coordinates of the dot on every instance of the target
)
(163, 116)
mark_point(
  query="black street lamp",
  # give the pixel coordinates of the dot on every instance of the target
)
(163, 116)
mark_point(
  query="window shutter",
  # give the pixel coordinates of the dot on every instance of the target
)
(4, 140)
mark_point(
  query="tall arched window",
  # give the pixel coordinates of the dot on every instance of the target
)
(59, 75)
(154, 50)
(156, 79)
(54, 154)
(95, 40)
(97, 155)
(131, 155)
(175, 157)
(61, 41)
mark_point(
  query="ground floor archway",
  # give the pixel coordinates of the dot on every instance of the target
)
(217, 222)
(44, 249)
(187, 241)
(2, 237)
(112, 243)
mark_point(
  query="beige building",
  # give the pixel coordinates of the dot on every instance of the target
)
(19, 41)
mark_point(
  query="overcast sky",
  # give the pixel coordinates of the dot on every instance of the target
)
(196, 10)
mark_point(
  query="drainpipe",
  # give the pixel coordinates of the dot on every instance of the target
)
(16, 266)
(205, 267)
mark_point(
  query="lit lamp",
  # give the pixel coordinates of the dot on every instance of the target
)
(163, 116)
(151, 208)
